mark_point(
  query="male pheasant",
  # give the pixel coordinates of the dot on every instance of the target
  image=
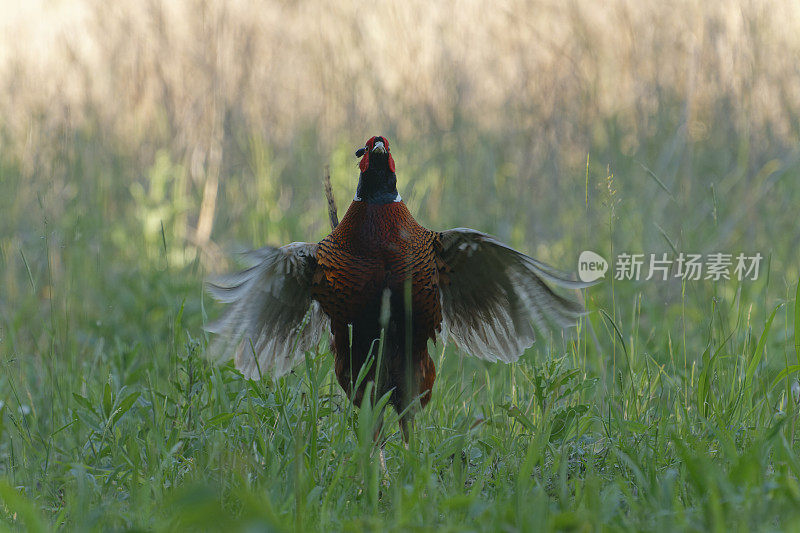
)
(380, 270)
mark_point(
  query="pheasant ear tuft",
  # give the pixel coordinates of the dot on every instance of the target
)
(360, 152)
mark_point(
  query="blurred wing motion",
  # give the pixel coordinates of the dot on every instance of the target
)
(272, 320)
(493, 295)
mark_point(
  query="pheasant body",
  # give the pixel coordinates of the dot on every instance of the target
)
(382, 280)
(379, 247)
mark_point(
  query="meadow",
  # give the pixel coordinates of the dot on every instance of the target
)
(142, 144)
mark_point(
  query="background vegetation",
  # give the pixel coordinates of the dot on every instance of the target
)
(143, 142)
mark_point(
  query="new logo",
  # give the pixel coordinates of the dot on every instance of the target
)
(591, 266)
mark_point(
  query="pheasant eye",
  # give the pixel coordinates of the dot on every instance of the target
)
(360, 152)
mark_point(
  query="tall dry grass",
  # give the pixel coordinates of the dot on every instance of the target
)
(201, 113)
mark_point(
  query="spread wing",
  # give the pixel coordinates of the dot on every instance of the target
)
(493, 296)
(272, 320)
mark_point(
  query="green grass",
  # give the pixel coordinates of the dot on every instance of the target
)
(134, 436)
(675, 417)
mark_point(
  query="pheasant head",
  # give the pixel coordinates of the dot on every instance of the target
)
(377, 182)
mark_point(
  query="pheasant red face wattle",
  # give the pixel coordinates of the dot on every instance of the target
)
(375, 144)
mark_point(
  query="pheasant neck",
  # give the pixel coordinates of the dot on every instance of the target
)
(377, 186)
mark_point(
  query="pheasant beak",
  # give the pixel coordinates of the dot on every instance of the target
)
(379, 148)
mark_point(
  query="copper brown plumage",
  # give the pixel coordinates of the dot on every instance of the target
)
(378, 247)
(460, 283)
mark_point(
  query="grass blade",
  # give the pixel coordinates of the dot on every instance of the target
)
(756, 357)
(797, 322)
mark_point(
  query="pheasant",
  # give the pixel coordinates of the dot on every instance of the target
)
(381, 279)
